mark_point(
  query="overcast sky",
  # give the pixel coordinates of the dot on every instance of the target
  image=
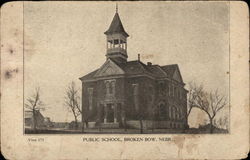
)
(65, 40)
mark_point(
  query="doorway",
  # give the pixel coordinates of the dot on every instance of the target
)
(110, 113)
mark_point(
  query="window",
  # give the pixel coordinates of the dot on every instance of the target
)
(162, 88)
(173, 113)
(173, 90)
(170, 112)
(161, 112)
(180, 93)
(178, 113)
(116, 43)
(110, 87)
(135, 95)
(150, 94)
(112, 90)
(184, 95)
(167, 88)
(107, 87)
(177, 92)
(90, 93)
(135, 89)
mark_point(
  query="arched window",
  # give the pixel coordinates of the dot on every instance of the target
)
(181, 114)
(110, 87)
(167, 88)
(135, 95)
(173, 112)
(107, 87)
(177, 113)
(90, 98)
(161, 111)
(162, 88)
(170, 112)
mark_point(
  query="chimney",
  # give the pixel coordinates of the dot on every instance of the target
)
(138, 57)
(149, 64)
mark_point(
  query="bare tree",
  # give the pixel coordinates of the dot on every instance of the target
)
(34, 104)
(72, 101)
(194, 90)
(211, 103)
(222, 122)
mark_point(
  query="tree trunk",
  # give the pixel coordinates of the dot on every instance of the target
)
(82, 126)
(211, 124)
(153, 126)
(124, 121)
(76, 125)
(87, 123)
(34, 120)
(99, 125)
(141, 125)
(125, 125)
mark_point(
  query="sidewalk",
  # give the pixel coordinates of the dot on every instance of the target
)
(102, 131)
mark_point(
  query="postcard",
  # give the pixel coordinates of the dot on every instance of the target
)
(125, 80)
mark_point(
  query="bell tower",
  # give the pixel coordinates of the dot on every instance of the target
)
(116, 40)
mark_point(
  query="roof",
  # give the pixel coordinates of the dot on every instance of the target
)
(157, 71)
(137, 67)
(169, 69)
(29, 114)
(116, 26)
(133, 67)
(89, 76)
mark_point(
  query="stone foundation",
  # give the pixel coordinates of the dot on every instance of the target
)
(147, 124)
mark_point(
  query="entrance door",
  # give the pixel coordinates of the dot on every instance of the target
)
(110, 116)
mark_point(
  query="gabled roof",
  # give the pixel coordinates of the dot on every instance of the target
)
(157, 71)
(89, 76)
(109, 68)
(138, 68)
(171, 69)
(134, 67)
(116, 26)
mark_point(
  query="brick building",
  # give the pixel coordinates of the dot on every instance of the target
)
(124, 92)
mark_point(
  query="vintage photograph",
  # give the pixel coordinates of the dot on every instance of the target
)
(126, 68)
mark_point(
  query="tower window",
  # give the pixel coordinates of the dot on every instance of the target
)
(116, 43)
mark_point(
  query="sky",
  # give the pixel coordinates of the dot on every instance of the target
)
(65, 40)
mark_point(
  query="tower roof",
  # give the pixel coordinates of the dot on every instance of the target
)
(116, 26)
